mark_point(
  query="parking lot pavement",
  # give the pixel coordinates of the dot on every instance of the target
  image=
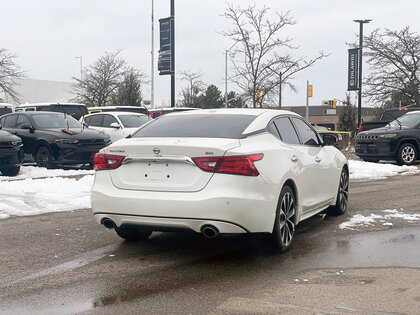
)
(66, 263)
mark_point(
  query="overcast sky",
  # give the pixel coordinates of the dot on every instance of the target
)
(46, 35)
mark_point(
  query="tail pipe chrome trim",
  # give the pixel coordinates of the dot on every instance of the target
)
(108, 223)
(209, 231)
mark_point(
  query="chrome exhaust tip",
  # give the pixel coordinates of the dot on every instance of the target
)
(108, 223)
(210, 231)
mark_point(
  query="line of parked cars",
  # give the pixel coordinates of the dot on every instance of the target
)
(61, 135)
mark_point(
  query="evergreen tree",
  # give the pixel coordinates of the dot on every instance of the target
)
(129, 90)
(235, 101)
(212, 98)
(347, 118)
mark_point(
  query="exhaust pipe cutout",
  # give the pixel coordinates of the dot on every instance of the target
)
(210, 231)
(108, 223)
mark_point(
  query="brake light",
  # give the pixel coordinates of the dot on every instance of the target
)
(237, 164)
(361, 128)
(106, 161)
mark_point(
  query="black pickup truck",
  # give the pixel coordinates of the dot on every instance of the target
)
(387, 116)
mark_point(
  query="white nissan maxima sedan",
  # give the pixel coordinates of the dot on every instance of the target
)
(222, 171)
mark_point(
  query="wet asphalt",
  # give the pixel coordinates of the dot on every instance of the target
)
(64, 263)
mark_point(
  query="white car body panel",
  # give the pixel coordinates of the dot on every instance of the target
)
(191, 198)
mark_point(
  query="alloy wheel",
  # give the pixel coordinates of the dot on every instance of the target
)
(408, 154)
(343, 192)
(287, 218)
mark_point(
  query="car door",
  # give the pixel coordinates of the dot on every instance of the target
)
(114, 133)
(320, 160)
(28, 136)
(303, 164)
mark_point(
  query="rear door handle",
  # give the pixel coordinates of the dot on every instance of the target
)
(317, 159)
(294, 159)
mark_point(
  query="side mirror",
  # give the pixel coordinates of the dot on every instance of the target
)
(329, 139)
(27, 127)
(115, 125)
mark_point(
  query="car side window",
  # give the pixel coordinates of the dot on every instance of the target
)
(87, 120)
(286, 130)
(22, 119)
(108, 120)
(10, 121)
(306, 133)
(96, 120)
(273, 130)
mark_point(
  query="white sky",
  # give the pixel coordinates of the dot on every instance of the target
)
(46, 35)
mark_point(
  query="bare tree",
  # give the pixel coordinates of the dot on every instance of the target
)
(101, 80)
(9, 74)
(394, 60)
(129, 91)
(264, 53)
(191, 92)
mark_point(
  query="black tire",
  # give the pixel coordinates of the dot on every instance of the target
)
(340, 206)
(132, 234)
(371, 160)
(284, 224)
(43, 157)
(407, 154)
(13, 171)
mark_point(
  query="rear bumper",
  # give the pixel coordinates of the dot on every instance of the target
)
(11, 157)
(232, 203)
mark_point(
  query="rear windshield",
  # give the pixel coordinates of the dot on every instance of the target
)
(199, 126)
(5, 110)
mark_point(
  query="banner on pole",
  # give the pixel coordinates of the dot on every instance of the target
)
(353, 71)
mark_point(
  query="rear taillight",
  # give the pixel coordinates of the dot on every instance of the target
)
(237, 164)
(106, 161)
(361, 128)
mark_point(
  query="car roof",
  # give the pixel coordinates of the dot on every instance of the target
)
(31, 113)
(51, 103)
(116, 113)
(116, 106)
(413, 112)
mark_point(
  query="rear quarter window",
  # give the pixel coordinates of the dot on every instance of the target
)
(197, 126)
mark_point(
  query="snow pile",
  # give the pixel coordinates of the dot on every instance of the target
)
(40, 172)
(368, 170)
(36, 196)
(358, 220)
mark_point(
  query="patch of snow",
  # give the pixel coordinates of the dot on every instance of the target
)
(36, 196)
(368, 170)
(41, 172)
(359, 220)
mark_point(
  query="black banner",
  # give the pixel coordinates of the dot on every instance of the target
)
(353, 74)
(165, 52)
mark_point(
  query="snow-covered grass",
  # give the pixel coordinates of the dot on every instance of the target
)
(36, 196)
(40, 172)
(367, 170)
(358, 220)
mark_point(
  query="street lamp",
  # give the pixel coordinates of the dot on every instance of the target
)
(359, 99)
(81, 66)
(280, 74)
(226, 73)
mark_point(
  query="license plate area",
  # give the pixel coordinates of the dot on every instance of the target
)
(156, 171)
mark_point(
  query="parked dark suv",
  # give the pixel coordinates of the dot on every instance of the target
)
(399, 141)
(11, 154)
(51, 138)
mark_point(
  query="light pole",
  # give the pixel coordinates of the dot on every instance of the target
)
(81, 66)
(359, 106)
(280, 74)
(226, 73)
(152, 92)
